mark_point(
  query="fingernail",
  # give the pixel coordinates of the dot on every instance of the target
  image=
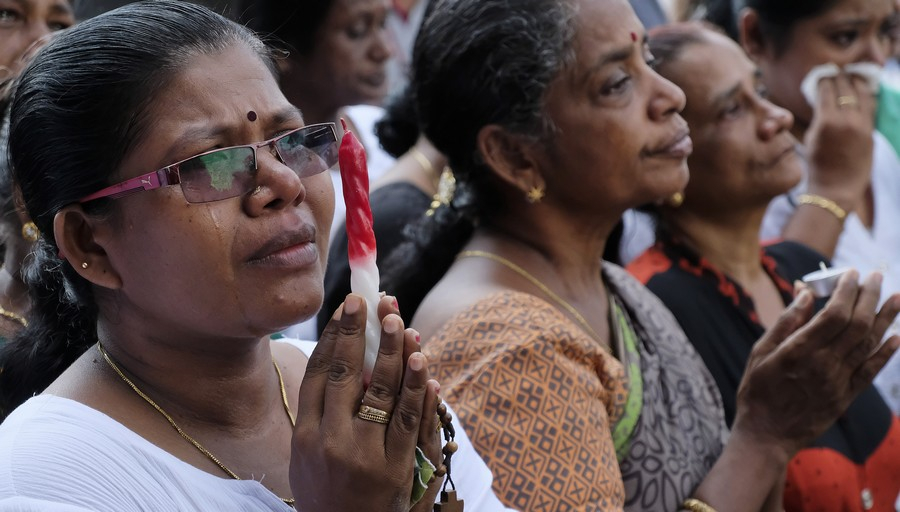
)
(418, 338)
(351, 304)
(396, 304)
(391, 324)
(416, 362)
(804, 298)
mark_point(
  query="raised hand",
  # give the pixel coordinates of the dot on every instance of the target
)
(341, 461)
(839, 140)
(804, 373)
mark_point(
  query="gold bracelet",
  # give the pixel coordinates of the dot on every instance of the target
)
(823, 202)
(695, 505)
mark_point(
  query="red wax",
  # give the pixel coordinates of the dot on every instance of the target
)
(355, 181)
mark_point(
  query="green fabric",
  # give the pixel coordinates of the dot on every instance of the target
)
(631, 358)
(887, 118)
(421, 475)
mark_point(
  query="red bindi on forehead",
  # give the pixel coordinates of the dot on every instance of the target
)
(251, 116)
(634, 37)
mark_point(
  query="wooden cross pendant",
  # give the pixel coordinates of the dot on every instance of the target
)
(449, 503)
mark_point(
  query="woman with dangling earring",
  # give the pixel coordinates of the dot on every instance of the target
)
(17, 234)
(26, 25)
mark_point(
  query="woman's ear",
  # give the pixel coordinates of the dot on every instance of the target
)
(510, 157)
(751, 35)
(75, 233)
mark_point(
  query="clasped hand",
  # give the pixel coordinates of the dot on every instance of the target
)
(341, 462)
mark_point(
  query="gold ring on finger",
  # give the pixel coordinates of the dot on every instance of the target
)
(372, 414)
(847, 101)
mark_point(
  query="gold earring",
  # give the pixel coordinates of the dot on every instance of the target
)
(84, 264)
(30, 232)
(675, 200)
(535, 195)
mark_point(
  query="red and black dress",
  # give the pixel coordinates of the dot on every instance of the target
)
(855, 465)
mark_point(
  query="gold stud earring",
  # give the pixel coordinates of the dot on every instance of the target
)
(84, 264)
(535, 195)
(30, 232)
(675, 200)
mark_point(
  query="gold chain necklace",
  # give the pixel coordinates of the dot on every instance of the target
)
(13, 316)
(544, 288)
(198, 446)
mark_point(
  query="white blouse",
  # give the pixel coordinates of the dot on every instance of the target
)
(60, 455)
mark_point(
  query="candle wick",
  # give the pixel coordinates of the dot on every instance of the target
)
(822, 265)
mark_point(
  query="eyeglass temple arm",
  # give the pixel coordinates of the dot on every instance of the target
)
(161, 178)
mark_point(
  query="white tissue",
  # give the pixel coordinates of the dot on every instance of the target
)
(870, 71)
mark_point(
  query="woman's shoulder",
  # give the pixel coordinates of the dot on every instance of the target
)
(510, 325)
(56, 447)
(493, 307)
(57, 453)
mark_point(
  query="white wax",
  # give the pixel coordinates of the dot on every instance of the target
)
(823, 282)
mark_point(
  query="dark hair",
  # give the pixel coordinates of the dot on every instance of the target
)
(77, 111)
(398, 129)
(7, 198)
(777, 18)
(476, 63)
(291, 25)
(668, 42)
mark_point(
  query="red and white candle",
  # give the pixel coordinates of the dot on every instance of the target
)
(364, 278)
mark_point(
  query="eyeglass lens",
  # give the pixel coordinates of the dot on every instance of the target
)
(232, 172)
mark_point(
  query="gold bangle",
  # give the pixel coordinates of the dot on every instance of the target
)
(695, 505)
(823, 202)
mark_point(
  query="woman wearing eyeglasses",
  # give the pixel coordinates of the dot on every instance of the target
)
(184, 212)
